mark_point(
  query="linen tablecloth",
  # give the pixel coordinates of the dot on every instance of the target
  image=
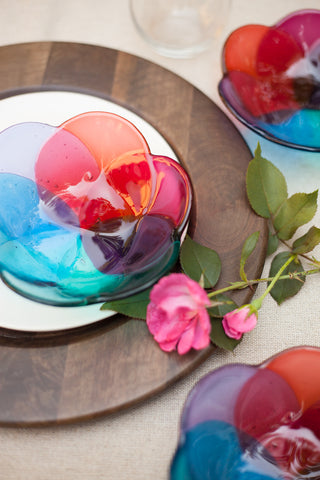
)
(138, 444)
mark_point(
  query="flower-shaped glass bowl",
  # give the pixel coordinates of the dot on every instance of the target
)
(244, 422)
(87, 213)
(271, 79)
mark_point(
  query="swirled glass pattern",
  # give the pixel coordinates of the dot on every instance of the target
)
(244, 422)
(87, 213)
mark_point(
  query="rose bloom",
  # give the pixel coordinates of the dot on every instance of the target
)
(239, 321)
(177, 315)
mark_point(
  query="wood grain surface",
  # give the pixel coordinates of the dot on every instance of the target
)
(66, 376)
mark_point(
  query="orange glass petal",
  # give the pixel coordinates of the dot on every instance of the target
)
(131, 177)
(240, 50)
(300, 368)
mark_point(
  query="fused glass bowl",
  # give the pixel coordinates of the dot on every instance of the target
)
(271, 79)
(244, 422)
(87, 213)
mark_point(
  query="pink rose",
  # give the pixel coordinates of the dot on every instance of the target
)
(177, 315)
(239, 321)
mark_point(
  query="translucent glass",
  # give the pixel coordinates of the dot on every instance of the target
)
(271, 79)
(87, 213)
(245, 422)
(180, 28)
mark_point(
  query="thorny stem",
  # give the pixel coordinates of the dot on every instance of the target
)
(242, 284)
(259, 301)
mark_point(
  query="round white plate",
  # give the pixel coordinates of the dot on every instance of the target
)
(53, 108)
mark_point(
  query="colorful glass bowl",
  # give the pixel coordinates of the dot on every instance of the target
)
(271, 79)
(87, 213)
(245, 422)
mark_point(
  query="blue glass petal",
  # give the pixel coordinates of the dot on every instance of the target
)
(302, 128)
(211, 451)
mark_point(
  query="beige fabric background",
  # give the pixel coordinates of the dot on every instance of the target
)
(138, 444)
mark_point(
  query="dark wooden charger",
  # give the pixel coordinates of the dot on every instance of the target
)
(65, 376)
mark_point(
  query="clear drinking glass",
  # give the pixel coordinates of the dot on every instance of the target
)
(179, 28)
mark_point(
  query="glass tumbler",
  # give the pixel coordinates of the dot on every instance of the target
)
(179, 28)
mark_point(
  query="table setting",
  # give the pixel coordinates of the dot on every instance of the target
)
(204, 146)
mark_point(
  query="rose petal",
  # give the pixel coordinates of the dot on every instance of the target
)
(186, 341)
(201, 335)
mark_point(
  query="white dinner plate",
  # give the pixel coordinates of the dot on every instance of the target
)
(54, 108)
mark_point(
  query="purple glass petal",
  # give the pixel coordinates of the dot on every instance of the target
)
(215, 396)
(20, 146)
(136, 245)
(106, 247)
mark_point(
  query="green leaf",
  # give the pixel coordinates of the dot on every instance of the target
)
(248, 247)
(273, 242)
(307, 242)
(219, 338)
(295, 211)
(197, 260)
(134, 306)
(287, 288)
(217, 335)
(226, 305)
(266, 186)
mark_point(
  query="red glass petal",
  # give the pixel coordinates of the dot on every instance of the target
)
(277, 51)
(263, 96)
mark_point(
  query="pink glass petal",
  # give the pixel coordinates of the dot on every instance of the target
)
(55, 167)
(66, 168)
(265, 403)
(303, 26)
(174, 202)
(106, 135)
